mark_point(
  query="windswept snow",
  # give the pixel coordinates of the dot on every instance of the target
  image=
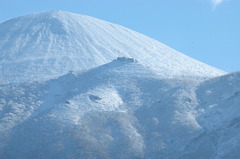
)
(46, 45)
(73, 86)
(218, 115)
(118, 110)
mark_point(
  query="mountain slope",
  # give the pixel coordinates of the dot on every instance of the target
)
(46, 45)
(72, 86)
(219, 111)
(118, 110)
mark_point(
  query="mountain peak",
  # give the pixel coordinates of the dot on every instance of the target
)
(121, 94)
(59, 14)
(55, 12)
(49, 44)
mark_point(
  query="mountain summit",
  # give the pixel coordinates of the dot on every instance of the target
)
(72, 86)
(49, 44)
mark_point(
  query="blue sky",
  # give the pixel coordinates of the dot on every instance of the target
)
(207, 30)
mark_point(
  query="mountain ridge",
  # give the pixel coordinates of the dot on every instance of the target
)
(49, 44)
(72, 86)
(111, 99)
(120, 109)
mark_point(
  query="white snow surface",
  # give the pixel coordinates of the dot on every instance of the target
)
(49, 44)
(76, 87)
(120, 110)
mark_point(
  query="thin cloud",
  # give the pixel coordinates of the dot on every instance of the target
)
(216, 2)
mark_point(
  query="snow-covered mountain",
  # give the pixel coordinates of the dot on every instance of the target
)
(219, 117)
(77, 87)
(44, 45)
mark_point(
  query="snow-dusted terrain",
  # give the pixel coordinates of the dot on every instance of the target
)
(44, 45)
(77, 87)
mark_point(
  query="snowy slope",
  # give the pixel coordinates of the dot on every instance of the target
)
(219, 116)
(118, 110)
(46, 45)
(72, 86)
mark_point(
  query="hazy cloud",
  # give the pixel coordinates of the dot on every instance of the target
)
(216, 2)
